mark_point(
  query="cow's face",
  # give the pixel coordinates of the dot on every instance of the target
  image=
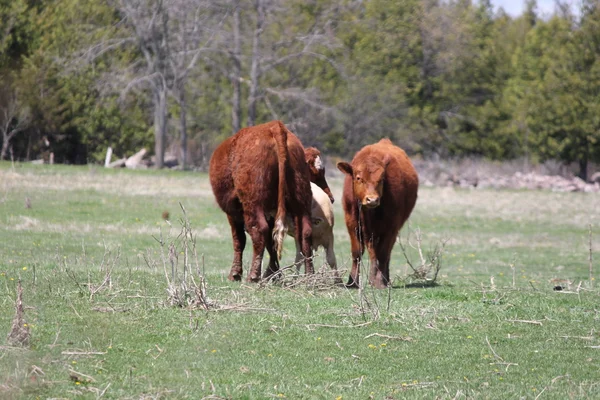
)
(367, 182)
(317, 170)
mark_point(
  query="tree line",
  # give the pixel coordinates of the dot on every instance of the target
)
(440, 78)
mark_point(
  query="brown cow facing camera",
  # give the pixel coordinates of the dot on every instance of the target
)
(261, 172)
(380, 192)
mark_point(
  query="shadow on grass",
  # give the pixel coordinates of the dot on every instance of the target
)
(420, 285)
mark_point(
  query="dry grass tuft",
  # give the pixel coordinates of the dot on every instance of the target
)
(183, 289)
(429, 265)
(19, 335)
(288, 277)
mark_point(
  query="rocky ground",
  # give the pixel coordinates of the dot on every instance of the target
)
(480, 175)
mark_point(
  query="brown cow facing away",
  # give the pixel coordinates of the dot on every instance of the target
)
(380, 192)
(258, 172)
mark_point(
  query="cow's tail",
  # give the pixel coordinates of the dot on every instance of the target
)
(280, 230)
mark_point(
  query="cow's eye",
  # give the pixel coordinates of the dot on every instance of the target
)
(358, 179)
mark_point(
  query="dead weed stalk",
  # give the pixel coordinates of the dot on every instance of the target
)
(426, 271)
(106, 267)
(183, 288)
(19, 334)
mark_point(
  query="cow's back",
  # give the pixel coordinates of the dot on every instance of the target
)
(254, 166)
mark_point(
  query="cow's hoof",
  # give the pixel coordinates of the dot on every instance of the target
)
(273, 276)
(234, 277)
(379, 285)
(253, 278)
(352, 284)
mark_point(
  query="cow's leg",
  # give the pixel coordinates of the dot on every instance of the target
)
(239, 243)
(299, 256)
(356, 245)
(381, 275)
(356, 249)
(273, 261)
(258, 228)
(304, 232)
(330, 257)
(374, 270)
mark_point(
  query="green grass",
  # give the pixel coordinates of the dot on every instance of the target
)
(474, 335)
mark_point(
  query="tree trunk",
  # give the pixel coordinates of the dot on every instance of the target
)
(236, 106)
(160, 124)
(255, 68)
(4, 149)
(584, 158)
(183, 128)
(583, 168)
(7, 136)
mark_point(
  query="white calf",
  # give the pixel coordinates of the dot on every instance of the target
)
(322, 226)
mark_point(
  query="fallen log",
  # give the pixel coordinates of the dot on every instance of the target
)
(117, 164)
(135, 160)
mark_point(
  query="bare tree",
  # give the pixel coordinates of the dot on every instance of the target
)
(259, 43)
(236, 104)
(169, 35)
(271, 53)
(147, 21)
(255, 61)
(15, 118)
(195, 23)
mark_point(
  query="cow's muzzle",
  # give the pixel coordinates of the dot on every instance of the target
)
(370, 201)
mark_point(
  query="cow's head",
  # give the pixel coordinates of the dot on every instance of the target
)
(367, 180)
(317, 170)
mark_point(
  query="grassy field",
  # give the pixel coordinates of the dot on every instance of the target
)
(97, 304)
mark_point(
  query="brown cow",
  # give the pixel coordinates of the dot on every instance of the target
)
(317, 170)
(380, 191)
(259, 172)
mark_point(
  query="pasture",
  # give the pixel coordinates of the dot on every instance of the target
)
(95, 280)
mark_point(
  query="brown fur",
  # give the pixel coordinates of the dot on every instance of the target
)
(317, 170)
(259, 172)
(380, 192)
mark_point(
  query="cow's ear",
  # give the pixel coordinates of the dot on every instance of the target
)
(345, 167)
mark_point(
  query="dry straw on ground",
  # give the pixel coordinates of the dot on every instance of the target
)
(290, 278)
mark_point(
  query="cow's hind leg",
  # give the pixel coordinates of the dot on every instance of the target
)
(330, 257)
(299, 257)
(239, 243)
(304, 231)
(259, 231)
(273, 260)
